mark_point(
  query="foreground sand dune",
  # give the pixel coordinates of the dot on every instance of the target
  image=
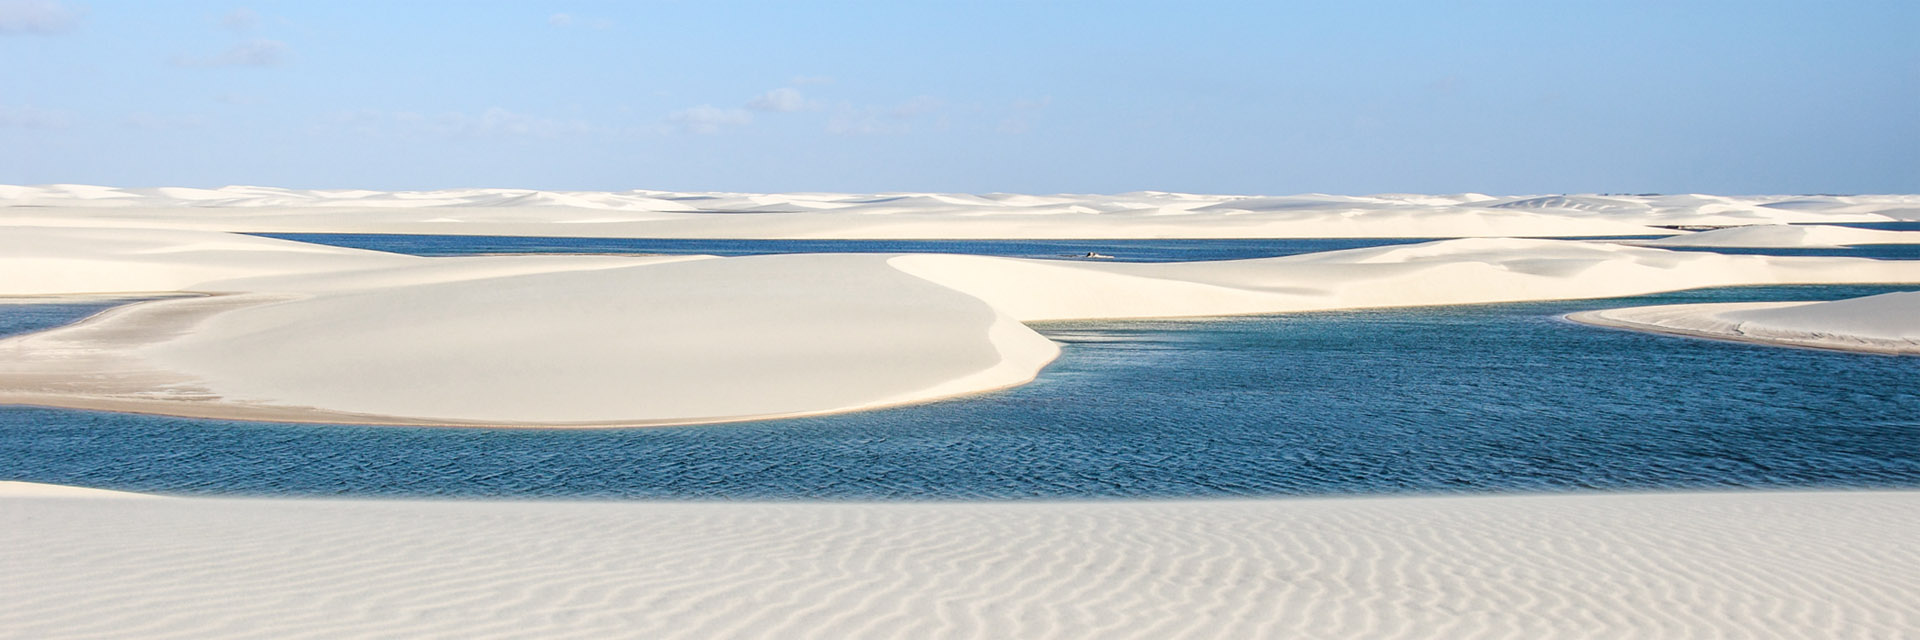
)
(1766, 565)
(299, 332)
(1887, 323)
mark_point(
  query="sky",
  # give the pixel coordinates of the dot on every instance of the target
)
(1032, 97)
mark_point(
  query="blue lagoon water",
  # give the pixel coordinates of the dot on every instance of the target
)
(1167, 250)
(1119, 250)
(1457, 399)
(1895, 225)
(1875, 251)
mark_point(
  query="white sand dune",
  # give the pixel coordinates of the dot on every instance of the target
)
(505, 340)
(14, 489)
(306, 333)
(38, 260)
(1752, 565)
(679, 342)
(1887, 323)
(1787, 236)
(1465, 271)
(291, 331)
(1147, 214)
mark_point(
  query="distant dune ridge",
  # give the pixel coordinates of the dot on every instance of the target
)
(1146, 214)
(295, 331)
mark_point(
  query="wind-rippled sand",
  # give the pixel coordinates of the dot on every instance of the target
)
(1767, 565)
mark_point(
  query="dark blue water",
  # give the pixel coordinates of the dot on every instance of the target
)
(1878, 251)
(1119, 250)
(1896, 225)
(20, 316)
(1470, 399)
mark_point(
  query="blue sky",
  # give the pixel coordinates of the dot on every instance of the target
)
(1046, 97)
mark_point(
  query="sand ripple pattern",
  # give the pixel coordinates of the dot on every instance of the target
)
(1786, 565)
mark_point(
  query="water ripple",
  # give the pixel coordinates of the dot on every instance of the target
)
(1458, 399)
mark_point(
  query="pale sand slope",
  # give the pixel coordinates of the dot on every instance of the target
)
(17, 489)
(1887, 323)
(516, 339)
(1744, 565)
(1786, 236)
(1464, 271)
(52, 261)
(662, 214)
(591, 341)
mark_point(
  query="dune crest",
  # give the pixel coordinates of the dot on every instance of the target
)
(1888, 323)
(1145, 214)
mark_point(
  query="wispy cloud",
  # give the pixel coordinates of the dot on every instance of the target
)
(1026, 113)
(241, 20)
(491, 122)
(918, 105)
(784, 99)
(846, 118)
(240, 99)
(40, 17)
(258, 52)
(29, 117)
(849, 120)
(501, 122)
(1445, 86)
(154, 122)
(852, 120)
(360, 121)
(707, 118)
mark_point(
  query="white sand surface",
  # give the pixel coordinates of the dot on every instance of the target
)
(1464, 271)
(1787, 236)
(685, 341)
(1887, 323)
(662, 214)
(292, 331)
(53, 261)
(1728, 565)
(10, 489)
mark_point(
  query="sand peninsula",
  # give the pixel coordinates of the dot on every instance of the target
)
(1874, 324)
